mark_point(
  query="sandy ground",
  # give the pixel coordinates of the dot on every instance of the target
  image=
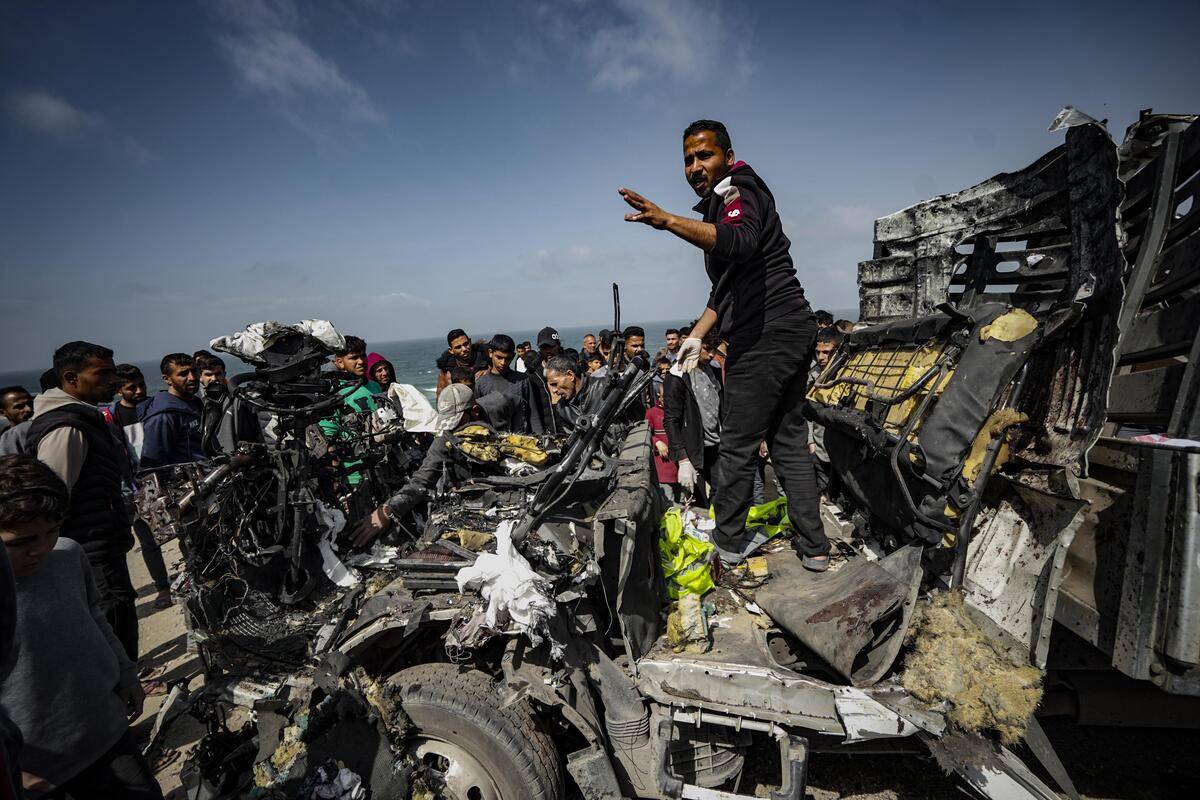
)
(1106, 763)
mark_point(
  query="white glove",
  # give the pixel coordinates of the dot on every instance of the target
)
(689, 356)
(687, 476)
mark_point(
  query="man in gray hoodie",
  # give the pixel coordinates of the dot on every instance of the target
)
(70, 436)
(71, 689)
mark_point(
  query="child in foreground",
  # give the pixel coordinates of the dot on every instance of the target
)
(71, 689)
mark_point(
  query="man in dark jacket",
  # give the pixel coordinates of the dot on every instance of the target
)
(172, 421)
(758, 306)
(70, 436)
(692, 419)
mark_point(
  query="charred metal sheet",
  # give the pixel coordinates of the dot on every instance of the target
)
(1015, 561)
(1043, 239)
(854, 618)
(738, 676)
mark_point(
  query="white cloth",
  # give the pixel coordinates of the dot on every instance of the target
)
(419, 416)
(249, 344)
(510, 587)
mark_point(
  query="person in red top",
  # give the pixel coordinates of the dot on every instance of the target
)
(668, 471)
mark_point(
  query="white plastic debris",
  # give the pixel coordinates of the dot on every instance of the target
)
(512, 590)
(332, 521)
(419, 414)
(258, 336)
(865, 718)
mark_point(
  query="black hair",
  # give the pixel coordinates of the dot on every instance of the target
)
(207, 360)
(823, 317)
(669, 331)
(526, 343)
(830, 335)
(711, 125)
(563, 363)
(634, 330)
(7, 390)
(75, 355)
(455, 334)
(29, 490)
(571, 352)
(661, 360)
(686, 331)
(606, 337)
(201, 354)
(353, 345)
(461, 374)
(844, 325)
(503, 343)
(595, 356)
(48, 380)
(712, 341)
(175, 360)
(129, 372)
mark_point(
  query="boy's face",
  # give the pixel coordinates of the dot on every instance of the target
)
(211, 374)
(593, 364)
(353, 363)
(500, 359)
(823, 352)
(181, 380)
(28, 544)
(16, 407)
(133, 392)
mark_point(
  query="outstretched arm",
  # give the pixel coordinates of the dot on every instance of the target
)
(694, 231)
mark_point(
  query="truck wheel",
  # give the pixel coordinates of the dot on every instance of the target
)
(467, 746)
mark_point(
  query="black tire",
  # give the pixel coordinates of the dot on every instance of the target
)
(462, 707)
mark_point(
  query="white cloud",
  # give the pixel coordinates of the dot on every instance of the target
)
(265, 47)
(48, 114)
(627, 43)
(41, 111)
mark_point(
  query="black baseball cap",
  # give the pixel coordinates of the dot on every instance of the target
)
(547, 337)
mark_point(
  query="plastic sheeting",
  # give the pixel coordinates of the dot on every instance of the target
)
(514, 593)
(249, 344)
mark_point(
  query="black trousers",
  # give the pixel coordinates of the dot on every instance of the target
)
(120, 774)
(765, 384)
(118, 600)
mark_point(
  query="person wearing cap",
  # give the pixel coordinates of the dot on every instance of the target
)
(460, 352)
(456, 407)
(758, 306)
(539, 402)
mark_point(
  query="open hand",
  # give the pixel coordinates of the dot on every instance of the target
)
(646, 212)
(369, 529)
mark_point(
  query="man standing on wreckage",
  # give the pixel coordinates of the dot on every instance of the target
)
(758, 306)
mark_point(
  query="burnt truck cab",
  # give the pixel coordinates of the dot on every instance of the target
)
(1096, 246)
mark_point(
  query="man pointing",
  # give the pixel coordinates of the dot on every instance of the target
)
(758, 306)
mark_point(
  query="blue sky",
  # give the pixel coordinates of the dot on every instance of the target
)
(175, 170)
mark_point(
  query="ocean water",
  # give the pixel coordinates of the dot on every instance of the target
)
(413, 359)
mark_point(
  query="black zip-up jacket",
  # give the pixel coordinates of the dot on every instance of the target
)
(754, 280)
(682, 420)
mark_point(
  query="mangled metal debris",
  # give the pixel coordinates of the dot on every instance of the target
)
(517, 629)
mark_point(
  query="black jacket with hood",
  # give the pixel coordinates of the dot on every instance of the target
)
(754, 280)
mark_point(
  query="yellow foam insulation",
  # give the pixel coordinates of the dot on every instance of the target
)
(1016, 324)
(953, 661)
(997, 425)
(890, 370)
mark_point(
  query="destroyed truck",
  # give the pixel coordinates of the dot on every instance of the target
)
(513, 640)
